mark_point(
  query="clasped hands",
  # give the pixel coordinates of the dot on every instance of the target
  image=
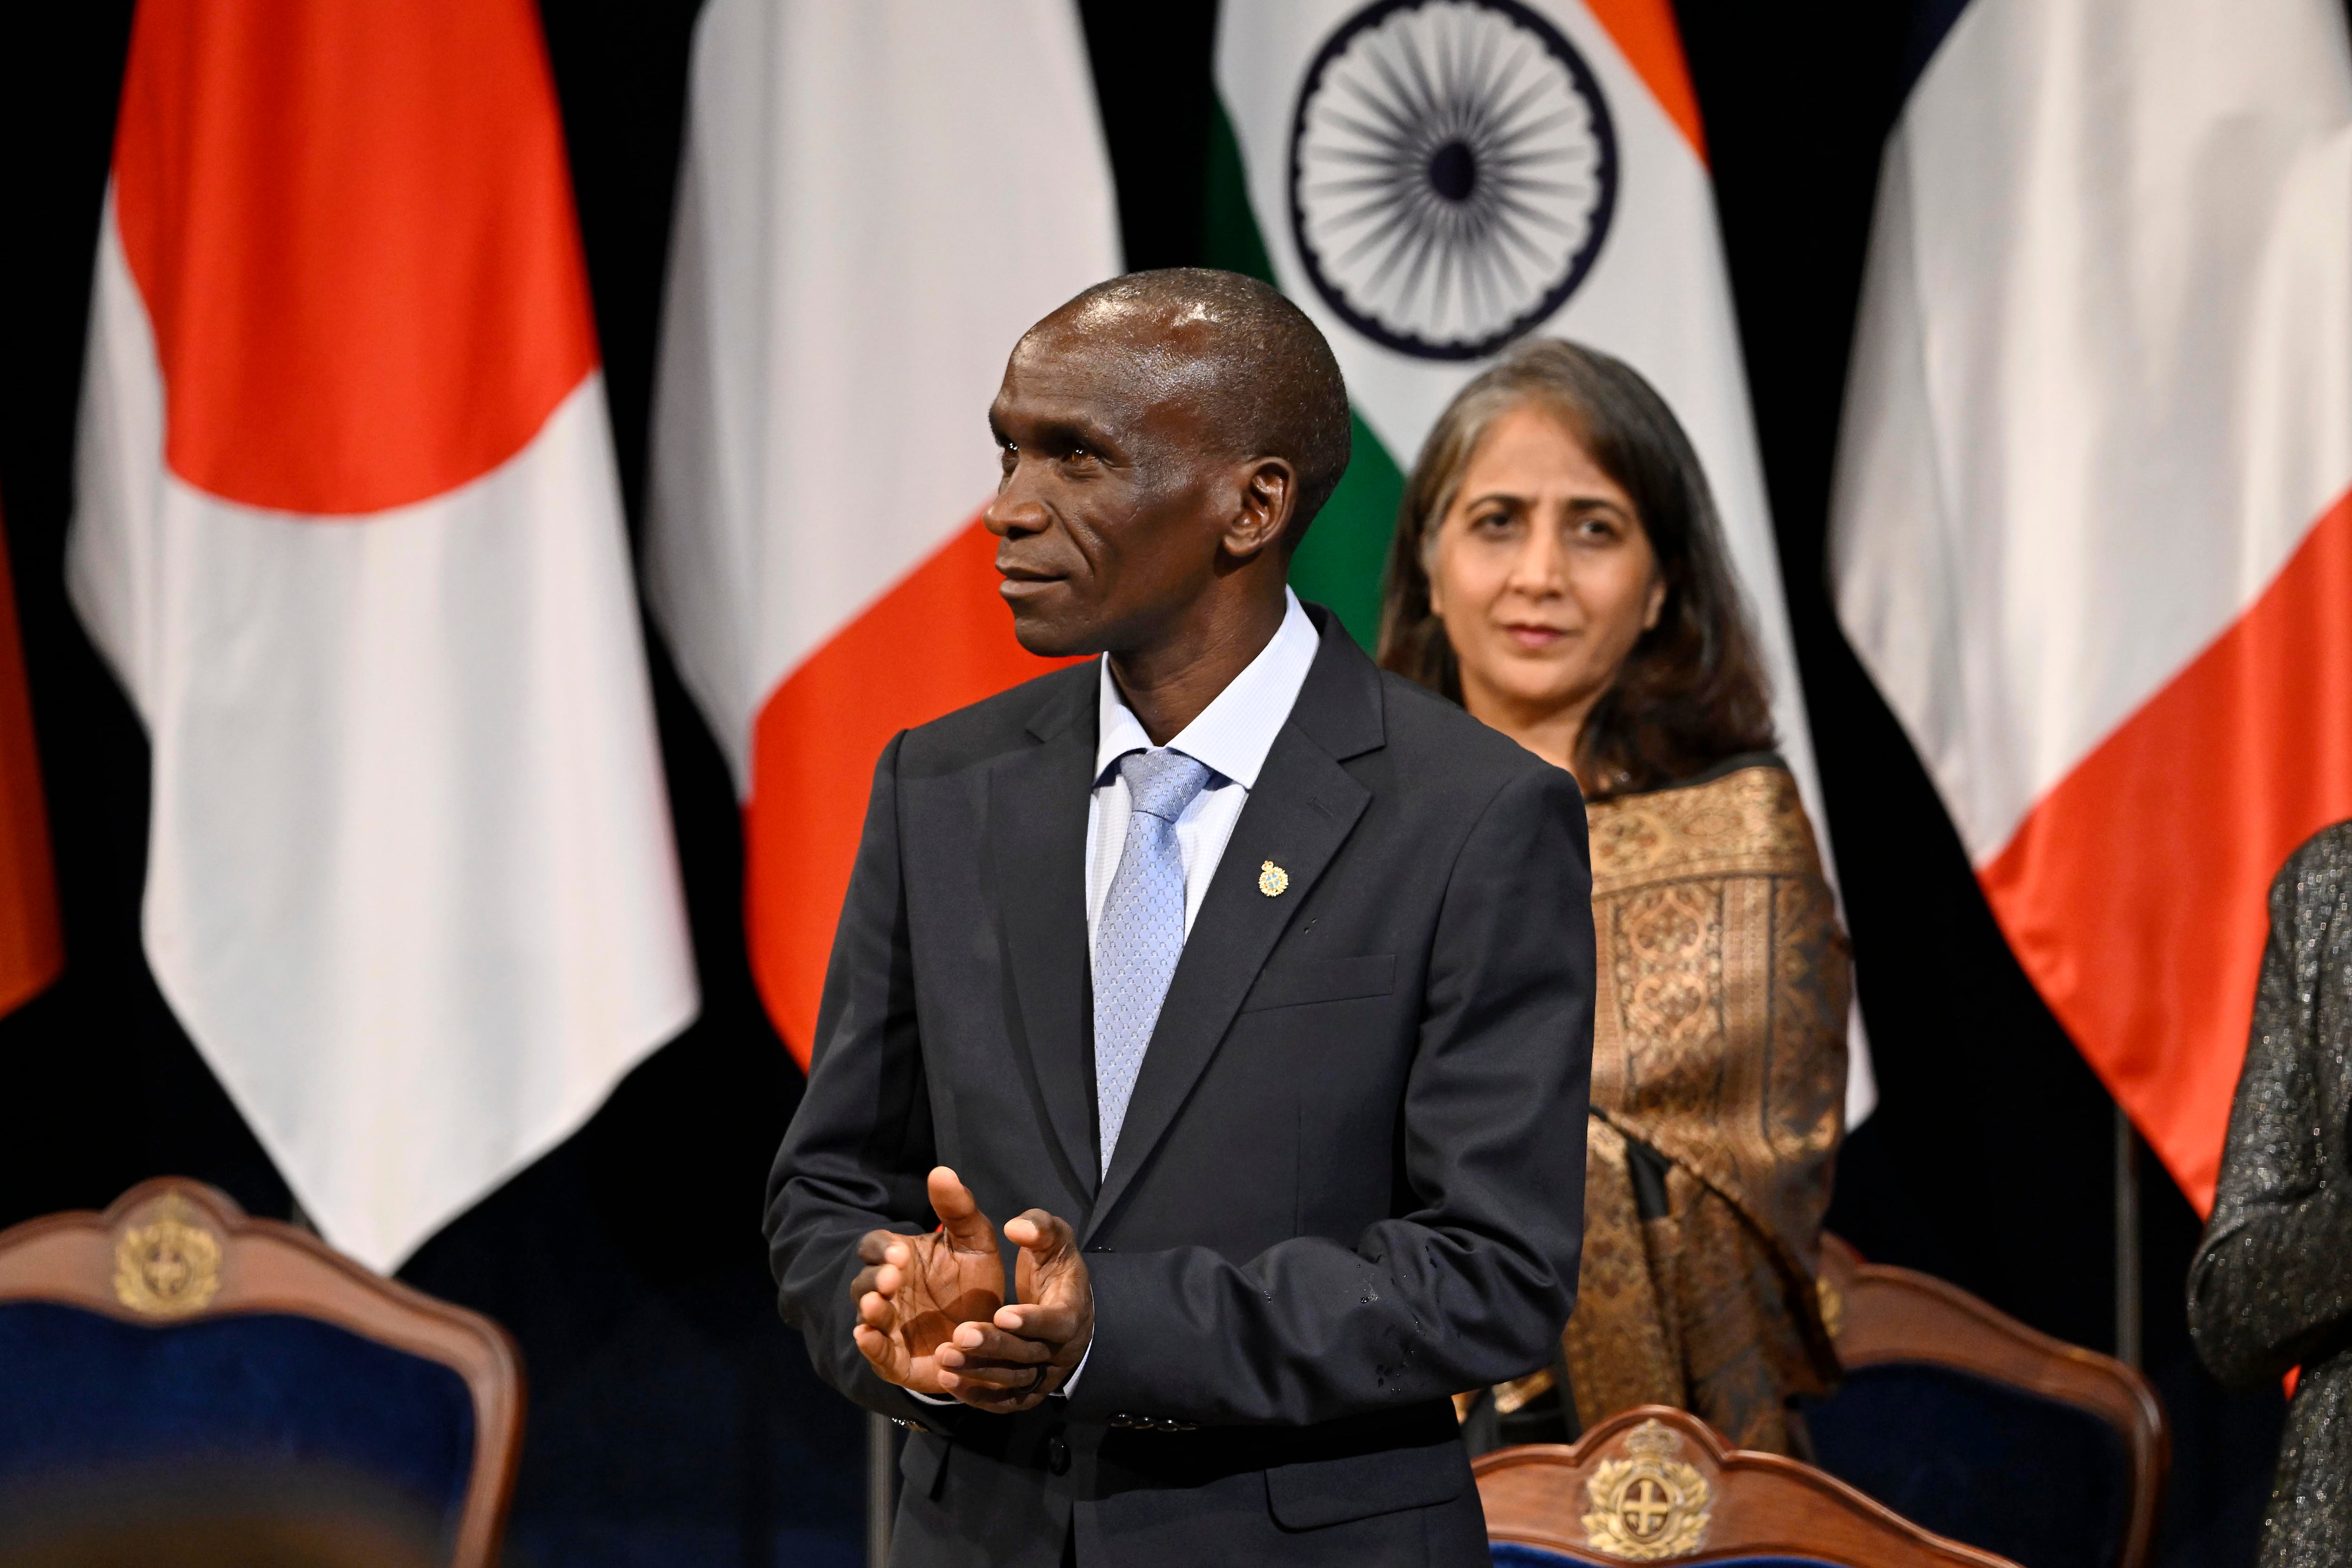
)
(931, 1313)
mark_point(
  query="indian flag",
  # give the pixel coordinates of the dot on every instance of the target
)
(1433, 181)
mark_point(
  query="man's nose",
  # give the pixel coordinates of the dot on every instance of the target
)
(1016, 511)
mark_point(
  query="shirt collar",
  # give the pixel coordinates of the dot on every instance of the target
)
(1235, 731)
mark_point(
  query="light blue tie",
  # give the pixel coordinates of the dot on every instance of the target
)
(1140, 932)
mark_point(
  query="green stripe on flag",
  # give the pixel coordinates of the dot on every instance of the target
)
(1340, 561)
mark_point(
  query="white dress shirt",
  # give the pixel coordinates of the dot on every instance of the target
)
(1232, 734)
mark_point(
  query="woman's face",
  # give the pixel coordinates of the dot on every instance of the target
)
(1541, 574)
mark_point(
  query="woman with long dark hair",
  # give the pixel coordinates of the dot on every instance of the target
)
(1558, 570)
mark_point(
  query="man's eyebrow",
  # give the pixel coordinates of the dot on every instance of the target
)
(1061, 433)
(1056, 434)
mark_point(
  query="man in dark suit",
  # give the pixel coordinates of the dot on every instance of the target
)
(1254, 982)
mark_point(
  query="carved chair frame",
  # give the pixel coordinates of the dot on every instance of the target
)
(1724, 1503)
(1880, 1315)
(176, 1251)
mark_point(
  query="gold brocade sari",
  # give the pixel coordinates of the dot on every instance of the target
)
(1719, 1082)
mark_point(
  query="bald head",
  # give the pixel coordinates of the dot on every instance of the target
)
(1243, 360)
(1163, 441)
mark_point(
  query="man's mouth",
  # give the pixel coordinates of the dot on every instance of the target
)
(1021, 581)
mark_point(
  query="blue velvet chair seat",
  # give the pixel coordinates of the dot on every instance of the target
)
(1510, 1555)
(86, 1390)
(2035, 1480)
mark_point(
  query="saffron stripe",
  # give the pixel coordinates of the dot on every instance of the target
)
(1646, 33)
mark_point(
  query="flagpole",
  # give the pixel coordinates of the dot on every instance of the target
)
(881, 1463)
(2127, 1268)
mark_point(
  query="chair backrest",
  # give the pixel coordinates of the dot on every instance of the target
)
(1978, 1426)
(1658, 1485)
(175, 1327)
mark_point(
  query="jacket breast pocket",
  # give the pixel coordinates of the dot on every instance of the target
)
(1304, 980)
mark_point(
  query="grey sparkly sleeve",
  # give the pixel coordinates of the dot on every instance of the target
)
(2271, 1284)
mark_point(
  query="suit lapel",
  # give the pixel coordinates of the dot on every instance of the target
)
(1037, 841)
(1301, 812)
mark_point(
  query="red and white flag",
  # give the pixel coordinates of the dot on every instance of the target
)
(32, 946)
(350, 534)
(2093, 525)
(877, 201)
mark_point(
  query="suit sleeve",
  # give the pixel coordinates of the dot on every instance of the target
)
(2268, 1290)
(860, 1145)
(1473, 1283)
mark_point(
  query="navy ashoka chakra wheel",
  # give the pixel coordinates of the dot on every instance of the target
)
(1453, 173)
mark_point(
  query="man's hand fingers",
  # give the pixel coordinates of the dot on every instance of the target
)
(875, 1312)
(994, 1378)
(870, 1245)
(990, 1369)
(1041, 1233)
(878, 1349)
(988, 1397)
(1052, 1324)
(975, 1344)
(968, 1229)
(1051, 1270)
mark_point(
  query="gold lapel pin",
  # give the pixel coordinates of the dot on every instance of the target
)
(1272, 879)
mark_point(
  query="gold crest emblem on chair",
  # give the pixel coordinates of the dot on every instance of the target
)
(1648, 1505)
(168, 1267)
(1654, 1484)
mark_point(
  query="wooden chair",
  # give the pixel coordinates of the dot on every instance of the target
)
(1964, 1419)
(174, 1326)
(1658, 1485)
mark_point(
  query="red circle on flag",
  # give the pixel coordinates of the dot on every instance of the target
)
(351, 223)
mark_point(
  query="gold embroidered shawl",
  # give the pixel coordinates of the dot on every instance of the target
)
(1719, 1041)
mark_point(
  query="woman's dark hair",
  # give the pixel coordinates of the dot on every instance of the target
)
(1692, 692)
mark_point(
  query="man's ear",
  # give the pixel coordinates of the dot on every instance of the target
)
(1269, 498)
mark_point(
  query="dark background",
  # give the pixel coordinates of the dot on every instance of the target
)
(674, 1418)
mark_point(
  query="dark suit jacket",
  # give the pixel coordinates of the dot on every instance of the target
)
(2270, 1287)
(1350, 1180)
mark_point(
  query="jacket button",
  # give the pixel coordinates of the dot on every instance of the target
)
(1058, 1456)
